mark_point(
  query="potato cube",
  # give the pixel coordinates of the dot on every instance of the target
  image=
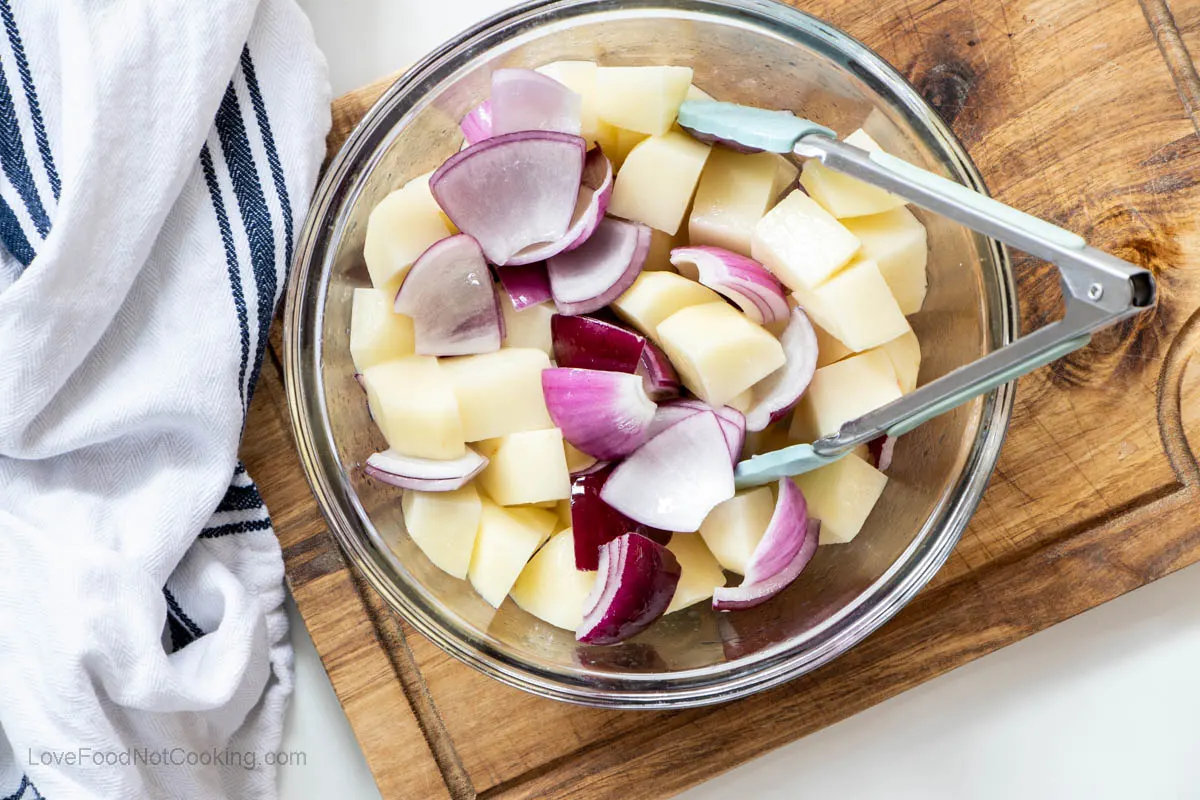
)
(699, 572)
(734, 528)
(657, 181)
(443, 525)
(527, 467)
(654, 296)
(801, 243)
(580, 78)
(577, 460)
(694, 92)
(400, 228)
(413, 402)
(842, 392)
(529, 327)
(842, 195)
(507, 539)
(829, 348)
(377, 333)
(743, 401)
(661, 245)
(643, 99)
(500, 393)
(717, 351)
(856, 306)
(905, 354)
(550, 587)
(735, 191)
(625, 142)
(563, 509)
(896, 241)
(842, 495)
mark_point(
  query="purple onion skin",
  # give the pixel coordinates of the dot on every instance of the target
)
(648, 578)
(587, 343)
(527, 285)
(659, 377)
(595, 523)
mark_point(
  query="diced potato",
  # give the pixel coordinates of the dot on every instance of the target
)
(699, 572)
(413, 403)
(625, 142)
(443, 525)
(400, 228)
(734, 528)
(377, 333)
(717, 351)
(577, 460)
(527, 467)
(856, 306)
(842, 392)
(643, 99)
(905, 353)
(735, 192)
(657, 181)
(507, 539)
(743, 401)
(661, 245)
(563, 509)
(801, 243)
(694, 92)
(529, 327)
(500, 393)
(654, 296)
(842, 195)
(842, 495)
(580, 78)
(550, 587)
(829, 348)
(896, 241)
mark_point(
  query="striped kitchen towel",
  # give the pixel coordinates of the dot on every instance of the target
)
(156, 161)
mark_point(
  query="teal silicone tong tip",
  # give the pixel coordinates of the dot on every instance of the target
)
(745, 128)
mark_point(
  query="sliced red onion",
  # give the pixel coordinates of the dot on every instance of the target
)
(424, 474)
(590, 343)
(676, 478)
(733, 425)
(670, 413)
(660, 378)
(776, 394)
(477, 125)
(527, 285)
(524, 100)
(594, 193)
(635, 582)
(595, 523)
(781, 555)
(603, 414)
(512, 191)
(451, 299)
(882, 450)
(599, 271)
(743, 280)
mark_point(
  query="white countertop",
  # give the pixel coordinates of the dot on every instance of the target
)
(1106, 705)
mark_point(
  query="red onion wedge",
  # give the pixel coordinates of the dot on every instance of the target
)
(776, 394)
(595, 523)
(594, 193)
(603, 414)
(676, 478)
(424, 474)
(670, 413)
(599, 271)
(743, 280)
(590, 343)
(733, 425)
(781, 555)
(477, 125)
(882, 449)
(635, 582)
(659, 377)
(524, 100)
(512, 191)
(527, 285)
(451, 299)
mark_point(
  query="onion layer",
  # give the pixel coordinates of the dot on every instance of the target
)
(776, 394)
(526, 285)
(743, 280)
(595, 523)
(733, 425)
(599, 271)
(594, 193)
(604, 414)
(524, 100)
(635, 582)
(659, 377)
(424, 474)
(449, 295)
(477, 125)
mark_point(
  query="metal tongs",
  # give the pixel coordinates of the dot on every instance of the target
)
(1099, 289)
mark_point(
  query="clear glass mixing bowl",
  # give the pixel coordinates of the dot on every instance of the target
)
(758, 53)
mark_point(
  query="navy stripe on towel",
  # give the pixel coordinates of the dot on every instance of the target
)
(13, 161)
(218, 531)
(264, 124)
(35, 109)
(241, 498)
(19, 794)
(183, 630)
(13, 237)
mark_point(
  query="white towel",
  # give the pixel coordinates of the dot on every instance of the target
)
(156, 162)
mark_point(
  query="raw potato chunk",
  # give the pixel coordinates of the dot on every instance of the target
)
(377, 333)
(841, 495)
(527, 467)
(443, 525)
(661, 245)
(735, 191)
(718, 352)
(734, 528)
(507, 539)
(500, 393)
(550, 587)
(577, 460)
(643, 99)
(625, 142)
(657, 181)
(801, 243)
(694, 92)
(743, 401)
(413, 402)
(905, 353)
(563, 509)
(527, 328)
(829, 349)
(400, 228)
(699, 572)
(655, 296)
(856, 306)
(580, 78)
(842, 392)
(896, 241)
(842, 195)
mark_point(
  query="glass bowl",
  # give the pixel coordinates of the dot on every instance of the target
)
(758, 53)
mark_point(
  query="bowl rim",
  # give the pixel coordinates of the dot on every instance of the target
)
(361, 544)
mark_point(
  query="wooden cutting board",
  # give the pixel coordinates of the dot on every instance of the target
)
(1082, 112)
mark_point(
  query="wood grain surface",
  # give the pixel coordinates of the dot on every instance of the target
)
(1086, 113)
